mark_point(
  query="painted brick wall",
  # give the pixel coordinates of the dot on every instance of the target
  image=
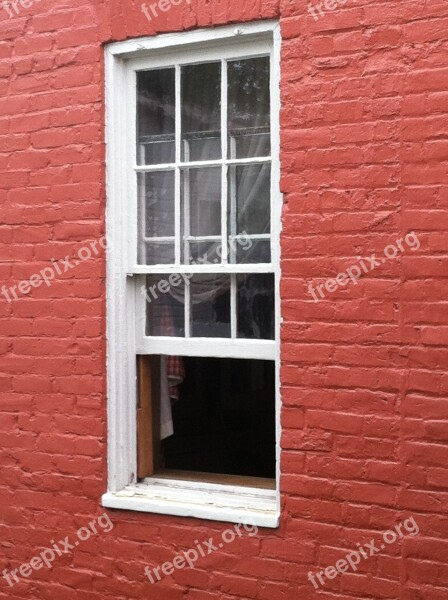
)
(364, 374)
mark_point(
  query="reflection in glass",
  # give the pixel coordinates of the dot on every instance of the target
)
(259, 252)
(165, 301)
(256, 306)
(155, 116)
(156, 217)
(249, 107)
(156, 253)
(201, 112)
(249, 214)
(156, 197)
(205, 253)
(210, 306)
(201, 213)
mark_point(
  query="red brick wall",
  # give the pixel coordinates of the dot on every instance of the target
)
(364, 376)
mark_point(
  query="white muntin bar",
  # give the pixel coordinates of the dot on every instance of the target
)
(212, 268)
(233, 307)
(141, 191)
(233, 193)
(187, 314)
(224, 157)
(232, 248)
(203, 238)
(186, 242)
(158, 239)
(178, 152)
(211, 238)
(211, 347)
(204, 163)
(186, 181)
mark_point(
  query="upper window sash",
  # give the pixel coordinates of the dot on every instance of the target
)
(226, 163)
(196, 111)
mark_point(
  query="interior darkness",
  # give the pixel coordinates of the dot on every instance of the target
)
(224, 420)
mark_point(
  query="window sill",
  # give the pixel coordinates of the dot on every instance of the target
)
(199, 500)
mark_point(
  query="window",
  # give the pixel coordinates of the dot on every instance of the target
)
(193, 220)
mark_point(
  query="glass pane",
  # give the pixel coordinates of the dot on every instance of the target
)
(201, 209)
(155, 217)
(156, 203)
(165, 301)
(259, 251)
(210, 306)
(155, 116)
(249, 107)
(201, 112)
(246, 249)
(156, 253)
(249, 212)
(256, 306)
(244, 144)
(205, 253)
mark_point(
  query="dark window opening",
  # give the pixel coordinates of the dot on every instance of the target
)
(221, 418)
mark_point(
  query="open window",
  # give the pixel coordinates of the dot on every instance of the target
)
(215, 423)
(194, 221)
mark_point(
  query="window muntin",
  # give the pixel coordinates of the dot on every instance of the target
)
(240, 306)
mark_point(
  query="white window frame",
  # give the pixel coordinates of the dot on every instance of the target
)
(124, 341)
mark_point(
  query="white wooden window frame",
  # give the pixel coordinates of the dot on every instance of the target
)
(125, 337)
